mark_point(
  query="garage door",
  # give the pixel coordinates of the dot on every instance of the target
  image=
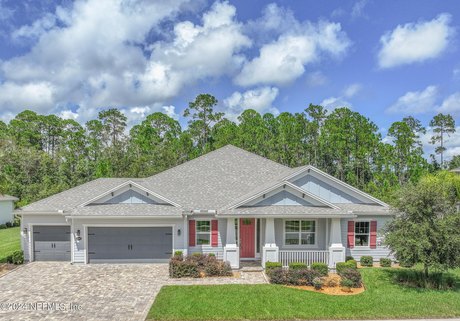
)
(51, 243)
(129, 244)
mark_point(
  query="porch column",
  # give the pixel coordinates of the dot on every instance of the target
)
(270, 251)
(336, 250)
(231, 250)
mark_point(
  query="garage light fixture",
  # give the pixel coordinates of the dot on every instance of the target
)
(179, 232)
(24, 230)
(78, 235)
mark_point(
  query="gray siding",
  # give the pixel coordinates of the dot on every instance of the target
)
(320, 236)
(379, 252)
(283, 198)
(325, 191)
(217, 250)
(6, 211)
(130, 197)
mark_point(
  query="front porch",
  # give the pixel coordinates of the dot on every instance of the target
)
(283, 240)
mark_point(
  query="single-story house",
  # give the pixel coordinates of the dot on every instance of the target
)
(6, 208)
(230, 202)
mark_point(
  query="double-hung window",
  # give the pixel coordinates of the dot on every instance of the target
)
(362, 230)
(203, 232)
(299, 232)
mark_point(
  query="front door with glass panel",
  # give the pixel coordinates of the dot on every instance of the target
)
(247, 238)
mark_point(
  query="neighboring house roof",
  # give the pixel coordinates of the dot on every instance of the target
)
(221, 180)
(4, 197)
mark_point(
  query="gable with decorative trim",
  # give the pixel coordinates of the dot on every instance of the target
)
(283, 198)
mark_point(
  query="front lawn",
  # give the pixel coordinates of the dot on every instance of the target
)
(10, 241)
(382, 299)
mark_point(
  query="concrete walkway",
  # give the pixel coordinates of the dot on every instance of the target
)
(61, 291)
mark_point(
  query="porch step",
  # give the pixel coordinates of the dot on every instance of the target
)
(251, 269)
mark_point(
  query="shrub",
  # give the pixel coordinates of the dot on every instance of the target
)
(418, 279)
(317, 283)
(212, 254)
(16, 258)
(406, 263)
(2, 226)
(178, 253)
(272, 265)
(17, 221)
(346, 283)
(8, 224)
(218, 268)
(353, 275)
(366, 260)
(321, 268)
(332, 283)
(352, 264)
(183, 269)
(341, 266)
(301, 276)
(385, 262)
(277, 275)
(349, 258)
(297, 265)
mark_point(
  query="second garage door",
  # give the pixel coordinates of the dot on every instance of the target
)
(51, 243)
(129, 244)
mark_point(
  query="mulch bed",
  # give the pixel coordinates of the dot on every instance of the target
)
(6, 267)
(332, 290)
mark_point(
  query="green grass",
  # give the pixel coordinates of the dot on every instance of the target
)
(382, 299)
(10, 241)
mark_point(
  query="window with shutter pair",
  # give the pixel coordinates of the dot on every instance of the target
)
(203, 232)
(362, 233)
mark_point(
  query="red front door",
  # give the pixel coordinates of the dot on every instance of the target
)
(247, 237)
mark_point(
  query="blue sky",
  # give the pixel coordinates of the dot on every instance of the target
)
(385, 59)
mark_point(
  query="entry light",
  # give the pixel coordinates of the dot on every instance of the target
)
(179, 232)
(24, 230)
(78, 235)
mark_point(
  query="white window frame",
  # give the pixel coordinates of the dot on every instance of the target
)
(368, 235)
(202, 233)
(300, 233)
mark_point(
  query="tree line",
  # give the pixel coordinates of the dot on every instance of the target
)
(41, 155)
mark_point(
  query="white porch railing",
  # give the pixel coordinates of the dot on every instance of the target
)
(308, 257)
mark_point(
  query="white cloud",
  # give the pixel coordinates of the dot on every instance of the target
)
(415, 102)
(259, 99)
(358, 9)
(170, 111)
(316, 79)
(332, 103)
(352, 90)
(68, 114)
(37, 95)
(38, 28)
(451, 105)
(415, 42)
(298, 44)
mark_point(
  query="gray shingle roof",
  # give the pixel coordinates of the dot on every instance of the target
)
(215, 179)
(127, 210)
(4, 197)
(210, 182)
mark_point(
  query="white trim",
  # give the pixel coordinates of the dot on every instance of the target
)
(336, 180)
(85, 228)
(129, 217)
(125, 184)
(362, 247)
(210, 231)
(294, 246)
(32, 241)
(283, 184)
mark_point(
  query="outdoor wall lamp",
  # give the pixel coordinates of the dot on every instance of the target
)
(24, 230)
(179, 232)
(78, 235)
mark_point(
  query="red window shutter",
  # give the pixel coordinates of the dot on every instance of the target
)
(351, 234)
(214, 233)
(191, 233)
(373, 241)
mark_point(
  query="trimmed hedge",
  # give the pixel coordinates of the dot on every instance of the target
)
(197, 264)
(341, 266)
(273, 265)
(297, 265)
(366, 260)
(321, 268)
(385, 262)
(349, 258)
(292, 276)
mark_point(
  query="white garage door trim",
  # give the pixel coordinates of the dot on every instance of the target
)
(32, 241)
(85, 227)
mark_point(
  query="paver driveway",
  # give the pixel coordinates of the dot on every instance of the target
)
(103, 291)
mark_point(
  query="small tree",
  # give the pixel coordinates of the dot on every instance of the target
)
(426, 227)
